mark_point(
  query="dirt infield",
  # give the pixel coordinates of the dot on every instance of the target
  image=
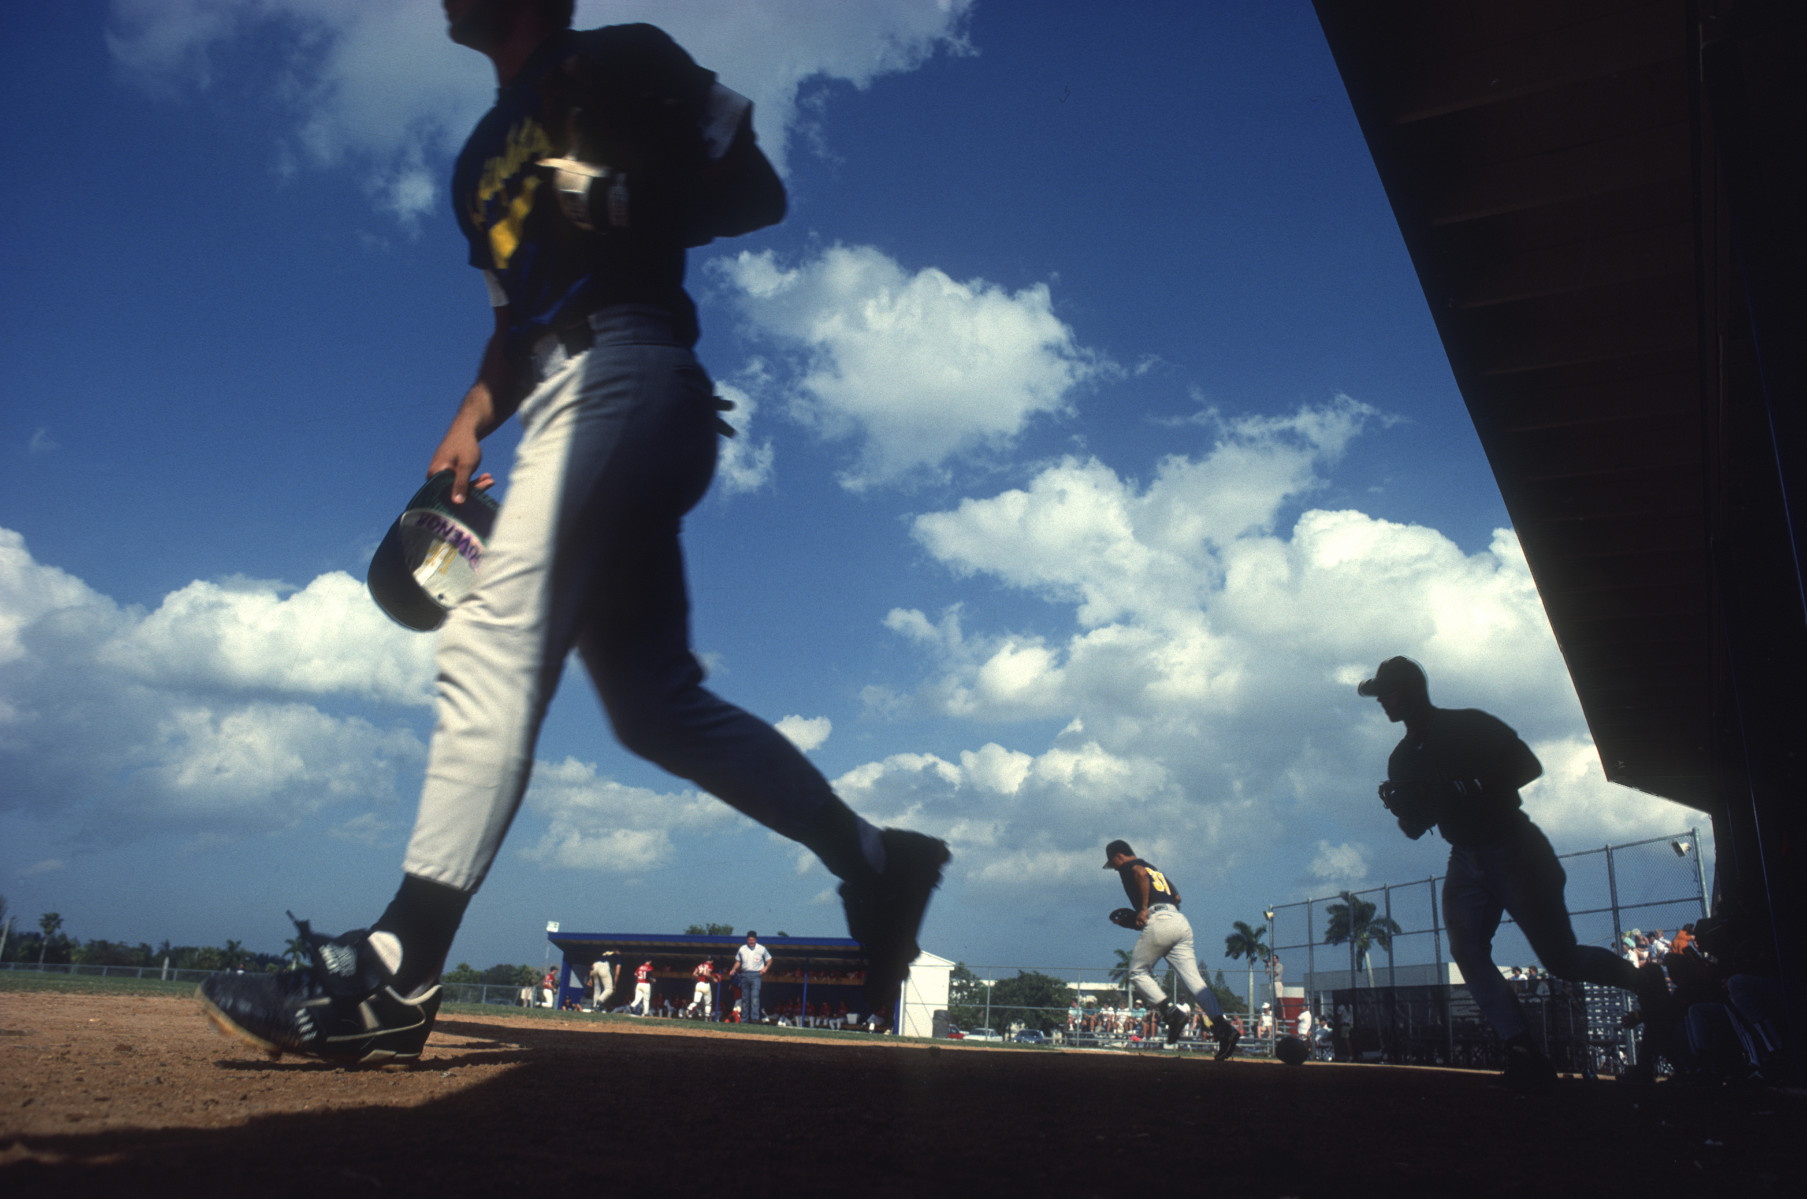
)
(120, 1093)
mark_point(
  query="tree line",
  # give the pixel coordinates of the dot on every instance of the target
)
(1012, 1000)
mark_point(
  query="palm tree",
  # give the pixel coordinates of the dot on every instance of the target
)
(1353, 921)
(1246, 942)
(51, 924)
(296, 949)
(1120, 973)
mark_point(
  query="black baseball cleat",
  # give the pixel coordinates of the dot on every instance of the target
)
(339, 1006)
(1227, 1036)
(1527, 1071)
(1176, 1025)
(885, 911)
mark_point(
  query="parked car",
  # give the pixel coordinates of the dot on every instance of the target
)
(1031, 1036)
(954, 1034)
(983, 1034)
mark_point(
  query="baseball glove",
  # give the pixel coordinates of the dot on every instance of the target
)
(1124, 917)
(1414, 803)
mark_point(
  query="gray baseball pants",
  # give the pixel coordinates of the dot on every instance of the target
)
(1168, 935)
(1519, 874)
(617, 444)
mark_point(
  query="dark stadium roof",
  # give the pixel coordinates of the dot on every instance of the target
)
(1560, 194)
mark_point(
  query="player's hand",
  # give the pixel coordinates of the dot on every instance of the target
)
(1414, 803)
(461, 453)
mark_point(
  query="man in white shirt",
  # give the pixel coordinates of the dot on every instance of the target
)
(751, 961)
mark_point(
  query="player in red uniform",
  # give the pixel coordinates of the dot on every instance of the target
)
(702, 999)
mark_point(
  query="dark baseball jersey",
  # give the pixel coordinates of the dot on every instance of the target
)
(1160, 890)
(506, 209)
(1468, 746)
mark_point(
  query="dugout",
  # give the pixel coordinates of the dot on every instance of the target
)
(805, 970)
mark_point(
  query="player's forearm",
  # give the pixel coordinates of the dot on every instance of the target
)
(493, 398)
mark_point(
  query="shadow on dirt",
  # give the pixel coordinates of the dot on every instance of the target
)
(656, 1114)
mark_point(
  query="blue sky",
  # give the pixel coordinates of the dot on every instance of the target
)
(1095, 441)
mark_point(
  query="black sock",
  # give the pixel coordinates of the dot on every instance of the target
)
(834, 836)
(424, 916)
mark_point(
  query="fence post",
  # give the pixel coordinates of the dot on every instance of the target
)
(1443, 987)
(1392, 975)
(1612, 893)
(1311, 952)
(1628, 1038)
(1700, 870)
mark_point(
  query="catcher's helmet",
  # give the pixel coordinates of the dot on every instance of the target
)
(428, 560)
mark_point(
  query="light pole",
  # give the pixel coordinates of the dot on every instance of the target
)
(1250, 991)
(1273, 995)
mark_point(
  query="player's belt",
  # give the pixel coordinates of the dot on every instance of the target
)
(558, 347)
(578, 336)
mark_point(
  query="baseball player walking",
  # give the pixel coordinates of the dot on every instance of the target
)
(702, 998)
(607, 153)
(603, 973)
(1459, 770)
(1155, 911)
(643, 990)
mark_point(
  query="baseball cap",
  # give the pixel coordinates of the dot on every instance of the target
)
(429, 558)
(1115, 848)
(1395, 674)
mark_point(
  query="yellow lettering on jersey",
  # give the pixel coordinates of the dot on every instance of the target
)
(1159, 881)
(505, 234)
(527, 143)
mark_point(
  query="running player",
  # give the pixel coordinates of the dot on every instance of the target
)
(1165, 934)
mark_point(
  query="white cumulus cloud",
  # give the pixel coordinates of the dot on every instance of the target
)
(204, 713)
(917, 368)
(806, 733)
(325, 638)
(596, 823)
(379, 86)
(1206, 654)
(1339, 865)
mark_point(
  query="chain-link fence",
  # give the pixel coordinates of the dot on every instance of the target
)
(81, 970)
(1400, 1000)
(1063, 1005)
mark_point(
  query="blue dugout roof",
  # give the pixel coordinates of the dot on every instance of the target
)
(672, 950)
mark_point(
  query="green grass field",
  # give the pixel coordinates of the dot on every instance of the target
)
(85, 984)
